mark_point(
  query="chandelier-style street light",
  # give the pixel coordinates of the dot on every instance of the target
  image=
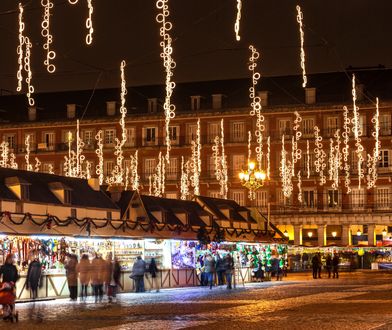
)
(252, 178)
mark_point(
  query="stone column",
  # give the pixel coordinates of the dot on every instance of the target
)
(346, 235)
(297, 234)
(371, 235)
(322, 235)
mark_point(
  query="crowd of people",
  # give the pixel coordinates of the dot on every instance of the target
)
(331, 265)
(223, 267)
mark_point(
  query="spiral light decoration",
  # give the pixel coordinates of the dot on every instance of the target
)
(29, 167)
(299, 185)
(319, 155)
(224, 176)
(373, 159)
(302, 54)
(285, 170)
(268, 156)
(45, 32)
(37, 166)
(99, 153)
(255, 100)
(307, 159)
(346, 147)
(184, 179)
(237, 21)
(195, 166)
(159, 177)
(89, 22)
(135, 177)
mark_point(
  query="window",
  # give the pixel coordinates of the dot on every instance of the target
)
(150, 135)
(109, 136)
(131, 137)
(282, 200)
(261, 199)
(174, 134)
(332, 125)
(213, 131)
(11, 139)
(384, 160)
(31, 140)
(108, 166)
(214, 194)
(284, 126)
(383, 198)
(239, 197)
(49, 140)
(354, 161)
(385, 124)
(238, 163)
(309, 198)
(191, 133)
(149, 167)
(73, 213)
(238, 131)
(171, 195)
(171, 170)
(357, 198)
(333, 198)
(88, 138)
(307, 126)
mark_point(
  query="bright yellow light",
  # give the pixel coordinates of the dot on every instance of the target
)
(384, 232)
(359, 233)
(302, 54)
(334, 233)
(237, 21)
(252, 165)
(241, 175)
(310, 234)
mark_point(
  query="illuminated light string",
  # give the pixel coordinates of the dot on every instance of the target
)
(135, 177)
(89, 22)
(99, 153)
(255, 100)
(337, 160)
(237, 21)
(159, 177)
(224, 167)
(331, 159)
(185, 193)
(50, 169)
(375, 157)
(249, 146)
(268, 156)
(45, 32)
(80, 158)
(70, 160)
(126, 178)
(29, 167)
(169, 65)
(345, 149)
(297, 152)
(259, 137)
(319, 155)
(357, 133)
(37, 166)
(302, 53)
(19, 49)
(299, 185)
(216, 157)
(285, 172)
(307, 159)
(4, 148)
(150, 185)
(195, 165)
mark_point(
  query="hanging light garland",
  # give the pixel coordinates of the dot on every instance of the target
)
(299, 185)
(4, 148)
(285, 170)
(159, 177)
(184, 179)
(319, 155)
(297, 153)
(29, 167)
(150, 185)
(45, 32)
(37, 166)
(79, 173)
(224, 176)
(345, 150)
(268, 156)
(374, 159)
(135, 177)
(259, 137)
(99, 152)
(255, 104)
(249, 146)
(89, 22)
(50, 169)
(13, 163)
(302, 54)
(307, 159)
(195, 165)
(337, 161)
(169, 65)
(237, 21)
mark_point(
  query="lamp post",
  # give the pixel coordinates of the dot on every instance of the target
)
(252, 178)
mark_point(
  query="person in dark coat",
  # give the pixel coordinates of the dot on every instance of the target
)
(229, 269)
(33, 280)
(320, 265)
(209, 268)
(153, 270)
(138, 270)
(72, 275)
(114, 282)
(335, 265)
(315, 265)
(328, 265)
(220, 269)
(9, 274)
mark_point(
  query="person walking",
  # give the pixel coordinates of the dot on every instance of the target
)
(209, 268)
(97, 272)
(229, 269)
(33, 279)
(328, 264)
(220, 269)
(114, 282)
(153, 270)
(72, 275)
(335, 265)
(83, 269)
(320, 264)
(315, 265)
(138, 270)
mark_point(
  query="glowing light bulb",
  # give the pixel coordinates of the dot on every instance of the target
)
(252, 165)
(334, 233)
(302, 54)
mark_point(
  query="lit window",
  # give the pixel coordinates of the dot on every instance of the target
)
(109, 136)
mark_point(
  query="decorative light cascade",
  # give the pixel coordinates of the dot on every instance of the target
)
(345, 150)
(135, 177)
(169, 64)
(319, 155)
(259, 137)
(195, 166)
(255, 104)
(117, 175)
(5, 154)
(373, 159)
(357, 130)
(45, 32)
(297, 153)
(224, 176)
(302, 54)
(78, 171)
(24, 59)
(126, 178)
(237, 21)
(37, 166)
(217, 159)
(307, 159)
(50, 169)
(337, 161)
(299, 185)
(185, 193)
(285, 170)
(99, 152)
(150, 185)
(268, 157)
(13, 163)
(70, 160)
(159, 177)
(331, 159)
(249, 146)
(29, 167)
(89, 22)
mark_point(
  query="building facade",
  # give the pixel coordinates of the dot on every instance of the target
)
(325, 215)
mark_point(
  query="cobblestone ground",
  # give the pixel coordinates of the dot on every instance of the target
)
(354, 301)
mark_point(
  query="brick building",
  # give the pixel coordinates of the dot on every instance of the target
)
(325, 215)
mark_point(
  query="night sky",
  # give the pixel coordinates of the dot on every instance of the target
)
(338, 33)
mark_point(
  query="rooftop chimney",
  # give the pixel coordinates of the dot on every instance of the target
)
(263, 95)
(111, 108)
(217, 101)
(310, 95)
(32, 112)
(195, 102)
(71, 111)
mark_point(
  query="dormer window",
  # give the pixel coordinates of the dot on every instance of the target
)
(19, 186)
(61, 191)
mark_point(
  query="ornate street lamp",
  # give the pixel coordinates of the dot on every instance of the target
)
(252, 178)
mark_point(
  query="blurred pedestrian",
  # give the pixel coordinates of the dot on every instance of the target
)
(220, 269)
(305, 259)
(138, 270)
(315, 265)
(320, 264)
(97, 277)
(153, 270)
(84, 271)
(114, 283)
(229, 269)
(72, 275)
(209, 267)
(335, 265)
(9, 276)
(328, 265)
(33, 279)
(200, 270)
